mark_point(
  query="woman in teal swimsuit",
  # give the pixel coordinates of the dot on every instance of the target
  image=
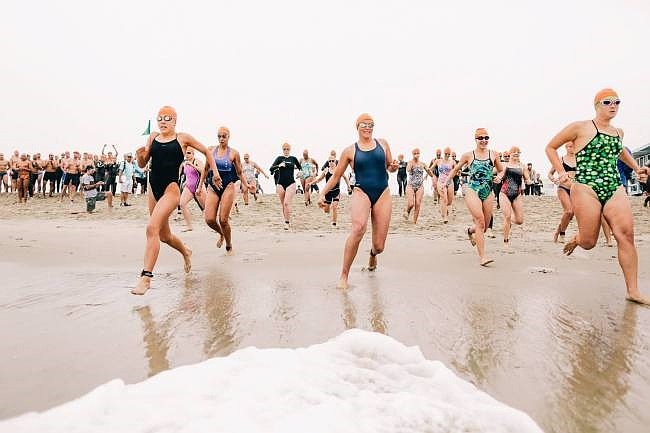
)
(596, 189)
(479, 197)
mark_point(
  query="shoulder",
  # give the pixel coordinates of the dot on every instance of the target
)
(383, 142)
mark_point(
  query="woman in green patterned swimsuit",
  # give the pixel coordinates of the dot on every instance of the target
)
(479, 197)
(596, 189)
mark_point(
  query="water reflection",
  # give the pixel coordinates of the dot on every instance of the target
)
(599, 366)
(207, 304)
(486, 339)
(376, 317)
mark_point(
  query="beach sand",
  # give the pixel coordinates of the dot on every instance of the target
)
(547, 334)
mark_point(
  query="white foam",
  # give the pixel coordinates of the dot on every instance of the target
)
(357, 382)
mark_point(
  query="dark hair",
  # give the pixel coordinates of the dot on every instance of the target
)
(89, 167)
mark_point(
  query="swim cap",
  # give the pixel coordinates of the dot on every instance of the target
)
(223, 128)
(515, 149)
(365, 117)
(480, 131)
(167, 111)
(605, 93)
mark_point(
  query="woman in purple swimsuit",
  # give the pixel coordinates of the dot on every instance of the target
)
(193, 189)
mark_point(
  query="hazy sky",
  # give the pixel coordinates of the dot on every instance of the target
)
(77, 74)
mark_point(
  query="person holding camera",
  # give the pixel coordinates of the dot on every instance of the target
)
(89, 187)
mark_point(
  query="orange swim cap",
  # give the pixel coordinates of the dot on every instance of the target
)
(515, 149)
(364, 117)
(480, 131)
(605, 93)
(223, 129)
(167, 111)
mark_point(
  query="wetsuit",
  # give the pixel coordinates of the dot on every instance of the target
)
(100, 173)
(567, 168)
(596, 165)
(335, 192)
(401, 177)
(370, 171)
(511, 184)
(480, 176)
(284, 175)
(165, 160)
(226, 170)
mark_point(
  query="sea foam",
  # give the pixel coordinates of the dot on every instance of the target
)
(357, 382)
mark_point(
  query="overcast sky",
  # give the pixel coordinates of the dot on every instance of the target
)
(77, 74)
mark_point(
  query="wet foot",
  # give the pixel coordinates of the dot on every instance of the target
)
(342, 284)
(187, 259)
(486, 262)
(220, 241)
(470, 235)
(143, 285)
(229, 250)
(638, 299)
(570, 246)
(286, 225)
(372, 262)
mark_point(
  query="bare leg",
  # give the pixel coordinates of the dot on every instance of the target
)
(506, 208)
(380, 218)
(335, 207)
(158, 230)
(418, 203)
(567, 214)
(286, 203)
(359, 211)
(618, 213)
(442, 201)
(478, 211)
(186, 196)
(410, 201)
(210, 214)
(227, 200)
(607, 232)
(588, 216)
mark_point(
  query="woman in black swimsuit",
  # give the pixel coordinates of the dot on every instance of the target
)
(166, 150)
(511, 202)
(285, 182)
(564, 190)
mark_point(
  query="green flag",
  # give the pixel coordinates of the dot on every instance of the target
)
(148, 130)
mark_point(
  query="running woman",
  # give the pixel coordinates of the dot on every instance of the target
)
(166, 150)
(401, 174)
(479, 197)
(221, 198)
(369, 158)
(309, 171)
(333, 196)
(282, 170)
(445, 188)
(596, 190)
(249, 168)
(564, 190)
(415, 186)
(512, 204)
(192, 187)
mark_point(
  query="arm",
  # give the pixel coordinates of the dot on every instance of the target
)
(391, 165)
(115, 149)
(569, 133)
(463, 160)
(143, 154)
(428, 170)
(258, 168)
(276, 165)
(237, 163)
(501, 168)
(320, 177)
(104, 150)
(551, 172)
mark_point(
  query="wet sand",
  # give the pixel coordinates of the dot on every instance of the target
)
(544, 333)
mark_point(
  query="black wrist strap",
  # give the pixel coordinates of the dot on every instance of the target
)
(146, 274)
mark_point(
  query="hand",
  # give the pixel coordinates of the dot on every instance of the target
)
(217, 181)
(394, 165)
(321, 200)
(564, 177)
(349, 190)
(642, 174)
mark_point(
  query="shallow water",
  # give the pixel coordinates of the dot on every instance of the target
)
(575, 358)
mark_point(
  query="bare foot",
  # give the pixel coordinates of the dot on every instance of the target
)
(470, 235)
(372, 262)
(220, 241)
(229, 250)
(186, 229)
(143, 285)
(570, 246)
(486, 262)
(342, 284)
(188, 261)
(638, 299)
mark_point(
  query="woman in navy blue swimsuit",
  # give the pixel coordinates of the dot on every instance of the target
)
(166, 150)
(220, 199)
(369, 158)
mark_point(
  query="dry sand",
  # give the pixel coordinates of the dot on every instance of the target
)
(544, 333)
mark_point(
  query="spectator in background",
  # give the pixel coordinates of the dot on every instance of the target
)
(140, 178)
(532, 175)
(89, 187)
(125, 172)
